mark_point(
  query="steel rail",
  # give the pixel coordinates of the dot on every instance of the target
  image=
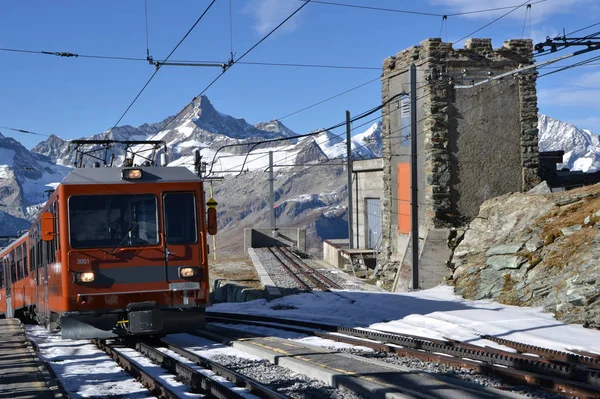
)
(288, 269)
(300, 330)
(494, 356)
(155, 387)
(308, 275)
(300, 323)
(583, 357)
(238, 379)
(551, 374)
(536, 380)
(198, 382)
(293, 258)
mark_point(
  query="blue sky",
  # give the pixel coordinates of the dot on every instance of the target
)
(75, 97)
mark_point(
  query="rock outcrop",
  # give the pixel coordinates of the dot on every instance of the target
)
(532, 249)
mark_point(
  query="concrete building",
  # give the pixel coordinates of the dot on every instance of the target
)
(367, 189)
(473, 143)
(368, 195)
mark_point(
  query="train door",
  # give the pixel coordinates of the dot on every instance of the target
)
(42, 280)
(7, 279)
(39, 281)
(181, 235)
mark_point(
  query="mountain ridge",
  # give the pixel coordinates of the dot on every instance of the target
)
(27, 174)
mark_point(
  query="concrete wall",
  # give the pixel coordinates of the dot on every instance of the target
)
(331, 253)
(368, 183)
(484, 144)
(258, 238)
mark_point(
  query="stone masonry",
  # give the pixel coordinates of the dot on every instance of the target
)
(474, 142)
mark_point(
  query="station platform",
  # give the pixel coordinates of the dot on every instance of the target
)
(22, 374)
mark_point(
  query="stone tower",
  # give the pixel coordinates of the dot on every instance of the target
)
(475, 141)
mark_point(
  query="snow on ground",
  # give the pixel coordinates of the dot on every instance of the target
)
(434, 313)
(84, 370)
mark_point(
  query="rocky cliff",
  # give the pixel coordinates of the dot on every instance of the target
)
(535, 249)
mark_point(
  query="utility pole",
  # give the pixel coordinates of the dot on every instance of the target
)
(271, 194)
(349, 156)
(414, 199)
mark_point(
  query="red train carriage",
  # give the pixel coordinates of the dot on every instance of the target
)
(116, 251)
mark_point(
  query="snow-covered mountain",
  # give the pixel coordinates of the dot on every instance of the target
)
(306, 195)
(581, 147)
(26, 175)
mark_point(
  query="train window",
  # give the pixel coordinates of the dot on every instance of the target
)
(1, 274)
(31, 257)
(180, 218)
(13, 269)
(111, 221)
(19, 259)
(39, 259)
(24, 252)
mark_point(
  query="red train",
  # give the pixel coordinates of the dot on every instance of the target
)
(116, 251)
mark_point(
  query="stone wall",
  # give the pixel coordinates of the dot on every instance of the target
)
(459, 129)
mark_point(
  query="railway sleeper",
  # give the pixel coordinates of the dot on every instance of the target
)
(198, 382)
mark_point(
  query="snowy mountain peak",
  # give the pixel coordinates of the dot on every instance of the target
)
(581, 147)
(275, 126)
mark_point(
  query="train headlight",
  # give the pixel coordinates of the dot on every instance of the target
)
(131, 174)
(83, 277)
(188, 272)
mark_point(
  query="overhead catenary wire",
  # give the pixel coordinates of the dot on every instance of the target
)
(147, 40)
(429, 14)
(314, 133)
(24, 131)
(527, 13)
(492, 22)
(407, 137)
(199, 62)
(158, 67)
(575, 65)
(329, 98)
(230, 65)
(230, 31)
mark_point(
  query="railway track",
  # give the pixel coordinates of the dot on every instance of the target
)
(306, 277)
(195, 379)
(559, 372)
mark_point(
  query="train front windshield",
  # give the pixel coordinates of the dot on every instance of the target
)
(110, 221)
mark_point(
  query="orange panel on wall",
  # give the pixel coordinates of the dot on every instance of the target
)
(404, 198)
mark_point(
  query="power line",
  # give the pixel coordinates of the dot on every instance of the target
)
(584, 28)
(577, 64)
(230, 31)
(158, 67)
(429, 14)
(190, 62)
(24, 131)
(231, 64)
(311, 65)
(329, 98)
(314, 133)
(254, 46)
(491, 22)
(147, 41)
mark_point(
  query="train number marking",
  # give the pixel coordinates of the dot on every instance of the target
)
(83, 261)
